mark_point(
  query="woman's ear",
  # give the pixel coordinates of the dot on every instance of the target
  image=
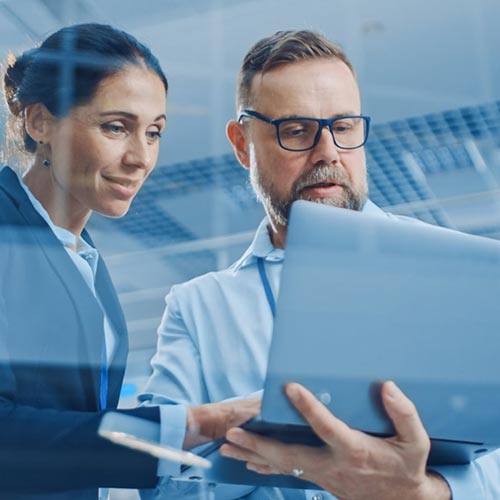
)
(236, 134)
(38, 121)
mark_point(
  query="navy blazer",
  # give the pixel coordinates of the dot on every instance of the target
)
(51, 340)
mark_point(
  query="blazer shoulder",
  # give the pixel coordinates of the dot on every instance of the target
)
(9, 198)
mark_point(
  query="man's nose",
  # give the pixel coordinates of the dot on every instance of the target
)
(326, 150)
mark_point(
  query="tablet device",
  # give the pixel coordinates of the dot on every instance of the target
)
(366, 298)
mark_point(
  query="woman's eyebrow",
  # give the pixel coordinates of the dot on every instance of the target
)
(130, 116)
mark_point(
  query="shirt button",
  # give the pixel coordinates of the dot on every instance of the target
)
(318, 496)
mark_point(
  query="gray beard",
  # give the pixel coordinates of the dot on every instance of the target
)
(278, 208)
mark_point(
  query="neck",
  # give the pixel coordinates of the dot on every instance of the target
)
(63, 209)
(277, 233)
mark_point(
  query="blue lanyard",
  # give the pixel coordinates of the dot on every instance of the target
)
(266, 285)
(103, 390)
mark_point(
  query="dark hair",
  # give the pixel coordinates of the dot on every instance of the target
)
(66, 70)
(284, 47)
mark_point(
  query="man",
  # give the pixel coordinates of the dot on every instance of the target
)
(300, 132)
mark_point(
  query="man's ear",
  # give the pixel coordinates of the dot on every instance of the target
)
(38, 121)
(235, 132)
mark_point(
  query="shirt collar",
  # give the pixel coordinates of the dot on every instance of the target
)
(371, 209)
(67, 238)
(262, 247)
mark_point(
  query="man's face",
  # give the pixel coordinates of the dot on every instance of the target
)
(321, 88)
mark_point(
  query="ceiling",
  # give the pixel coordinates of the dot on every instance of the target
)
(429, 77)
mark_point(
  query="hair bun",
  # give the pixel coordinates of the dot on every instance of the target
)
(14, 74)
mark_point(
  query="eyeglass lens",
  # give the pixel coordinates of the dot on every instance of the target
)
(297, 134)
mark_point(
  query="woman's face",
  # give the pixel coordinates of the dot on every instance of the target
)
(102, 152)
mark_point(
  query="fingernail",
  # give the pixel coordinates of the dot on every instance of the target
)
(226, 450)
(392, 390)
(293, 393)
(236, 436)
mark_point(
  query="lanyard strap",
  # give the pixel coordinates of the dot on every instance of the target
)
(103, 390)
(266, 285)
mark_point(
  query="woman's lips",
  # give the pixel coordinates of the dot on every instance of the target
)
(123, 186)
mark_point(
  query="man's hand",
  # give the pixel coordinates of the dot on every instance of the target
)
(209, 422)
(351, 465)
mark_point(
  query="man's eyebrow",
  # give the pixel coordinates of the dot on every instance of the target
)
(346, 113)
(336, 115)
(130, 116)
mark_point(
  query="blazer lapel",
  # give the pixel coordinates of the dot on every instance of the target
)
(87, 309)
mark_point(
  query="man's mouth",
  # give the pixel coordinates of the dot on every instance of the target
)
(321, 185)
(324, 189)
(324, 185)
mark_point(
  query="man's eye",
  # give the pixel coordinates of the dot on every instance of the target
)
(294, 130)
(342, 127)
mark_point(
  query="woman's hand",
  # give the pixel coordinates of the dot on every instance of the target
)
(211, 421)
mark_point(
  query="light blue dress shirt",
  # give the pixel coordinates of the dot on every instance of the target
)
(213, 344)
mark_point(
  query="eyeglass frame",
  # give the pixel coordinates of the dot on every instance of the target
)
(322, 122)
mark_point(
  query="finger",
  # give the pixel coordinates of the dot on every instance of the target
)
(242, 410)
(234, 413)
(404, 415)
(328, 427)
(250, 441)
(252, 404)
(282, 457)
(259, 450)
(238, 453)
(270, 450)
(248, 406)
(262, 469)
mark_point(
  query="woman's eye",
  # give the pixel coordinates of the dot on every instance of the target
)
(153, 135)
(114, 128)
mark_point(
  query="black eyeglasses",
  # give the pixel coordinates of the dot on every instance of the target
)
(302, 133)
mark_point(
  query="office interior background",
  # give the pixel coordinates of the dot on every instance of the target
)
(429, 77)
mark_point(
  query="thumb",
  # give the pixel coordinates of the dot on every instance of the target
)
(404, 416)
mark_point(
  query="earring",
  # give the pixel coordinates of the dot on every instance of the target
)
(45, 163)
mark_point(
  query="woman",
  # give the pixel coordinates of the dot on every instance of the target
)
(89, 107)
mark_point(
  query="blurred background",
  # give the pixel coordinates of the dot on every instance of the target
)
(429, 78)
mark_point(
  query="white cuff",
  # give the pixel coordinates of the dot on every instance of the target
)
(463, 480)
(172, 433)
